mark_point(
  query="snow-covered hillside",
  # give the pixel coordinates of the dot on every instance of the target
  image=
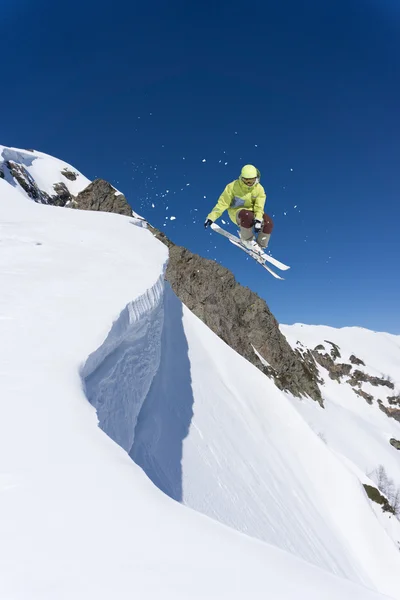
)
(354, 422)
(85, 315)
(39, 173)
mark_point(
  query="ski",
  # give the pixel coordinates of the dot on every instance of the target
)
(263, 256)
(257, 258)
(260, 258)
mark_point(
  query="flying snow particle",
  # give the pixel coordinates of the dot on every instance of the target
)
(204, 160)
(225, 163)
(223, 222)
(152, 205)
(256, 145)
(204, 196)
(172, 218)
(291, 169)
(284, 214)
(196, 209)
(295, 206)
(187, 184)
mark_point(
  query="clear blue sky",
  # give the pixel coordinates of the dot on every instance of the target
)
(140, 93)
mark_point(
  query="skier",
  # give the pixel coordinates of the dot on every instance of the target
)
(244, 199)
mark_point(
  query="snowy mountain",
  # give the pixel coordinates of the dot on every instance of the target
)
(80, 357)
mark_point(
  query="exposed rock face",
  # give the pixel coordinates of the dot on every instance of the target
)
(395, 443)
(359, 376)
(62, 195)
(69, 174)
(336, 371)
(364, 395)
(335, 351)
(239, 317)
(22, 176)
(100, 195)
(374, 494)
(394, 399)
(389, 411)
(356, 361)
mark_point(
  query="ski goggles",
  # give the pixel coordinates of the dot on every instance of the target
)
(250, 180)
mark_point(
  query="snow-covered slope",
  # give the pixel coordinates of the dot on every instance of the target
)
(41, 169)
(356, 430)
(84, 314)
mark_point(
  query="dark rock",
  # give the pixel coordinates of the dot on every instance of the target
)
(1, 174)
(71, 175)
(319, 348)
(364, 395)
(26, 181)
(62, 196)
(101, 195)
(359, 376)
(374, 494)
(356, 361)
(335, 352)
(336, 371)
(389, 411)
(239, 317)
(394, 400)
(395, 443)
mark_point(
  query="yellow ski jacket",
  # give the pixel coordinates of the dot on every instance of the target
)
(237, 196)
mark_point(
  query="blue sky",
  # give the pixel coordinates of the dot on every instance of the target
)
(142, 93)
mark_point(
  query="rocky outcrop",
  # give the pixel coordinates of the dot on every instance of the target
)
(394, 400)
(389, 411)
(71, 175)
(239, 317)
(356, 361)
(101, 195)
(361, 377)
(335, 351)
(375, 495)
(22, 176)
(364, 395)
(336, 371)
(395, 443)
(26, 181)
(62, 195)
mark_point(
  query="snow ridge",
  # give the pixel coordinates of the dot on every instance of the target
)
(118, 375)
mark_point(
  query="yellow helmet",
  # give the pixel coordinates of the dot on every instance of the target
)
(248, 172)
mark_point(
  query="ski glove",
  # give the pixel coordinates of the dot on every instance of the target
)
(257, 225)
(207, 223)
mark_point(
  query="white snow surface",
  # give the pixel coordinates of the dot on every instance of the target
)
(94, 343)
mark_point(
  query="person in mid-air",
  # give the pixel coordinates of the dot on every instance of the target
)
(244, 199)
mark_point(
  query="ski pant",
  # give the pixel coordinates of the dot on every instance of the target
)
(245, 220)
